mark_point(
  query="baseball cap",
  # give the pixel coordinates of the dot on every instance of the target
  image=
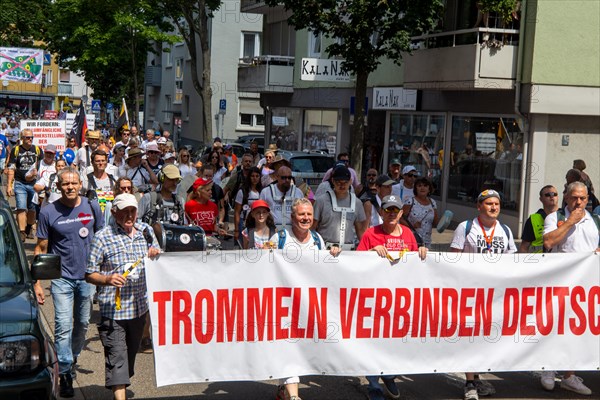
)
(486, 194)
(50, 149)
(161, 140)
(408, 169)
(200, 182)
(384, 180)
(217, 139)
(171, 171)
(168, 155)
(228, 147)
(341, 172)
(260, 203)
(395, 161)
(124, 200)
(391, 201)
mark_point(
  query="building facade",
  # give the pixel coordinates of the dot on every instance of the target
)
(171, 100)
(484, 103)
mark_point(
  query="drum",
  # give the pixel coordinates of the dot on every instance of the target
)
(173, 238)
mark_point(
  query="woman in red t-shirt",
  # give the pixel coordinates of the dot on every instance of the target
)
(200, 210)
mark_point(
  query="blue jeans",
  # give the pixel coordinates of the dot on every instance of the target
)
(24, 196)
(72, 308)
(374, 385)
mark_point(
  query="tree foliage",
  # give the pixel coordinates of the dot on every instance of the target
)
(191, 17)
(22, 22)
(107, 41)
(367, 31)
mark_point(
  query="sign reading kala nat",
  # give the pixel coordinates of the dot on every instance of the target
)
(394, 98)
(323, 69)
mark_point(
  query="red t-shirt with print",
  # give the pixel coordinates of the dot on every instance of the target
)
(376, 236)
(203, 215)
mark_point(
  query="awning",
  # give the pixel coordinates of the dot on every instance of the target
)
(25, 97)
(251, 107)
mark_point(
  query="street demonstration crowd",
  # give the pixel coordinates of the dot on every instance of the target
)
(105, 206)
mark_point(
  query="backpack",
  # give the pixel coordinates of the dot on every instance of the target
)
(15, 153)
(282, 234)
(506, 230)
(92, 181)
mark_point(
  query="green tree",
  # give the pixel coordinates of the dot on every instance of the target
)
(108, 42)
(192, 19)
(22, 22)
(368, 30)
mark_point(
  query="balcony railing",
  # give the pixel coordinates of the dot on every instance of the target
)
(65, 89)
(477, 58)
(265, 74)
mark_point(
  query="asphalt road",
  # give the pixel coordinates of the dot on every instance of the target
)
(89, 383)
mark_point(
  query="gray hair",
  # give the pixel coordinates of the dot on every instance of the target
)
(576, 186)
(64, 171)
(299, 202)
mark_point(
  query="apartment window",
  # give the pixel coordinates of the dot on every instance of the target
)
(167, 110)
(246, 119)
(65, 75)
(48, 78)
(314, 44)
(178, 81)
(169, 56)
(250, 45)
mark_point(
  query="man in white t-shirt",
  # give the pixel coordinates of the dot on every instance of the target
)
(384, 188)
(404, 189)
(83, 158)
(99, 184)
(480, 235)
(280, 196)
(571, 230)
(42, 170)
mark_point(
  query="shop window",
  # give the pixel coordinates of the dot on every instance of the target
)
(286, 124)
(418, 140)
(320, 130)
(487, 154)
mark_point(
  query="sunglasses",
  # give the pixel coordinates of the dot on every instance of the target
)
(285, 177)
(27, 137)
(124, 188)
(551, 194)
(154, 152)
(411, 175)
(125, 134)
(391, 210)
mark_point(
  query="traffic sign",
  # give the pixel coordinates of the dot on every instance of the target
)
(222, 106)
(109, 107)
(96, 105)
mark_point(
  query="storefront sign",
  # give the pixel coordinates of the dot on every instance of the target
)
(46, 132)
(394, 98)
(323, 69)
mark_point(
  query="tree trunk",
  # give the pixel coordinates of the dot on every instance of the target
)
(358, 130)
(206, 89)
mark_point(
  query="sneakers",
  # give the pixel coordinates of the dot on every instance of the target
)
(471, 392)
(548, 380)
(146, 346)
(390, 386)
(484, 388)
(575, 384)
(66, 385)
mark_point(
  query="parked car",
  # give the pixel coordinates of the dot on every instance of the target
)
(245, 140)
(28, 362)
(309, 166)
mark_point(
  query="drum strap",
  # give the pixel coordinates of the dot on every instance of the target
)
(344, 211)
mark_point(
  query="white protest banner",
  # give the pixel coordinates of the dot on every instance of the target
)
(90, 119)
(46, 131)
(256, 315)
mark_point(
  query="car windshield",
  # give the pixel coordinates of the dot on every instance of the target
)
(10, 269)
(311, 164)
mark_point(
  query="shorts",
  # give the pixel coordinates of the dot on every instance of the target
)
(2, 164)
(121, 340)
(24, 196)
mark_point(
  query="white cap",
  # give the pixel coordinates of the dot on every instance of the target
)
(408, 169)
(125, 200)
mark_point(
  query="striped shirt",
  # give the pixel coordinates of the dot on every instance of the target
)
(111, 250)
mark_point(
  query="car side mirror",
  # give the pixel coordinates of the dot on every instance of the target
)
(46, 266)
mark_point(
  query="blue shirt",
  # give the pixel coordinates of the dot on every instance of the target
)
(112, 249)
(69, 232)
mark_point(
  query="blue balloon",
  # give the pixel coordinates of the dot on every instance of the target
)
(69, 156)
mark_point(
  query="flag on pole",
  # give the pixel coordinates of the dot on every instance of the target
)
(123, 122)
(79, 125)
